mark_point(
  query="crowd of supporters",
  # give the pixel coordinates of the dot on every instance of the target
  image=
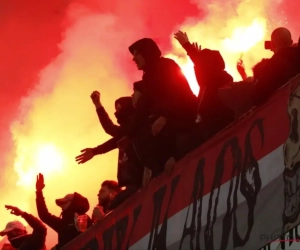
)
(157, 126)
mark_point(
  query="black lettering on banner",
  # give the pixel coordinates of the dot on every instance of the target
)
(250, 184)
(121, 228)
(136, 213)
(282, 243)
(196, 194)
(107, 237)
(91, 245)
(217, 182)
(236, 169)
(268, 247)
(157, 241)
(294, 236)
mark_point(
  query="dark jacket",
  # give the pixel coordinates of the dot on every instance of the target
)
(36, 240)
(210, 73)
(165, 90)
(130, 170)
(273, 73)
(64, 225)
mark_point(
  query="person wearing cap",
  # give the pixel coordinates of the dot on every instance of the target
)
(73, 220)
(17, 234)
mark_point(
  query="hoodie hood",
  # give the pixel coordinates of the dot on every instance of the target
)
(138, 86)
(79, 204)
(147, 48)
(126, 110)
(125, 102)
(213, 58)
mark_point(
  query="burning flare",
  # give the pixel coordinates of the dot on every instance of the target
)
(38, 158)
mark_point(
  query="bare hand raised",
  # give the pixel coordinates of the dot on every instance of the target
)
(39, 183)
(181, 37)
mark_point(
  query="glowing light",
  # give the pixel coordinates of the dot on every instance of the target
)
(43, 158)
(187, 68)
(244, 38)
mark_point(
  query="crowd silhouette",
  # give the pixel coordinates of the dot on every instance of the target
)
(157, 126)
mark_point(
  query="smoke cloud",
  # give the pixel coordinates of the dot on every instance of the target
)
(56, 118)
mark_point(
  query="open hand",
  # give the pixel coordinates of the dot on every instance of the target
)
(181, 37)
(86, 155)
(39, 183)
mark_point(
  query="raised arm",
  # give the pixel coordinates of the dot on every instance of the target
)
(191, 49)
(105, 121)
(51, 220)
(88, 153)
(38, 237)
(38, 227)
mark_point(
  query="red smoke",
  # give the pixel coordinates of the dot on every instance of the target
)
(33, 35)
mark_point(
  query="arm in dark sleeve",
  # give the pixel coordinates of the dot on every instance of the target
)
(106, 123)
(107, 146)
(38, 237)
(52, 221)
(37, 226)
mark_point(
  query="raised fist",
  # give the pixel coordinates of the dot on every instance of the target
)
(95, 96)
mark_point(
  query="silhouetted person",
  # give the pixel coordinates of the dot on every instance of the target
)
(130, 169)
(166, 103)
(72, 205)
(107, 193)
(273, 73)
(210, 73)
(17, 235)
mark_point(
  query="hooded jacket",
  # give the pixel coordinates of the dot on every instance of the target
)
(273, 73)
(64, 225)
(210, 73)
(165, 90)
(130, 170)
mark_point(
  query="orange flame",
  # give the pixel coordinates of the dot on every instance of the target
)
(41, 158)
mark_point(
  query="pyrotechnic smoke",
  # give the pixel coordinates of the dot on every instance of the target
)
(236, 28)
(57, 119)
